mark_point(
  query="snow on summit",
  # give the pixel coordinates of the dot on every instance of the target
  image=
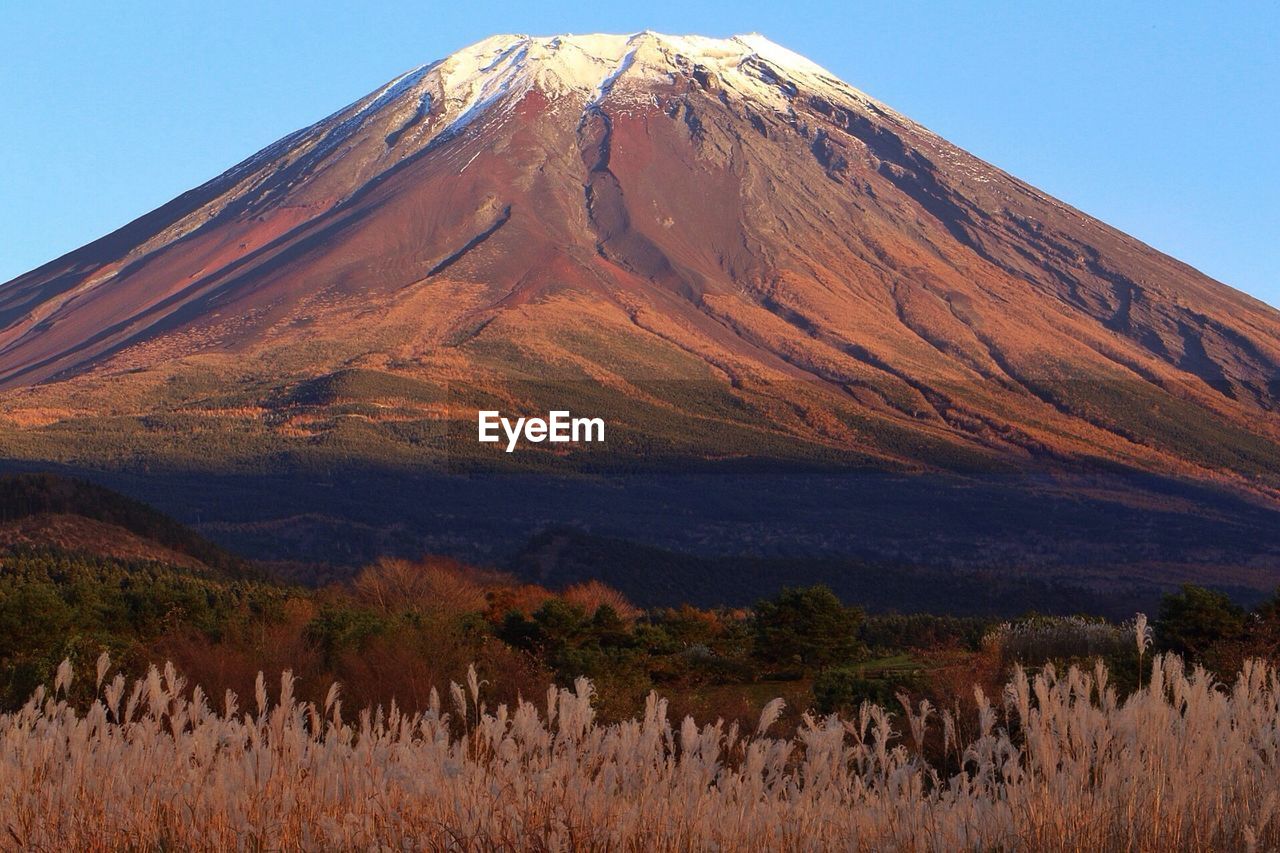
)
(480, 86)
(592, 69)
(592, 63)
(577, 74)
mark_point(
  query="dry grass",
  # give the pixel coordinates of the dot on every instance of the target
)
(1058, 764)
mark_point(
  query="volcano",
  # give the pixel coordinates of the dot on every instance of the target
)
(727, 253)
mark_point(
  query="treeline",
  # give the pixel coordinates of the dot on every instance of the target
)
(400, 629)
(55, 605)
(23, 495)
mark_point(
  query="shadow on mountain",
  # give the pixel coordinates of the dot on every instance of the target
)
(726, 538)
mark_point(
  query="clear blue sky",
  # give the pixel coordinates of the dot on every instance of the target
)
(1160, 118)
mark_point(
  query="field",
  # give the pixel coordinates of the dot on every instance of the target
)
(475, 710)
(1056, 762)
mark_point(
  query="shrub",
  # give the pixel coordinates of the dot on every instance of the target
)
(845, 689)
(1040, 639)
(436, 584)
(592, 595)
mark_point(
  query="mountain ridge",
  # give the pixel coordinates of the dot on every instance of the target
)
(714, 244)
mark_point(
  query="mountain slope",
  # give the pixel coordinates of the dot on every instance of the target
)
(714, 244)
(48, 512)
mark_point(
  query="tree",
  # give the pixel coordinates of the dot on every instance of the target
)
(435, 585)
(1259, 639)
(1263, 628)
(809, 626)
(1192, 621)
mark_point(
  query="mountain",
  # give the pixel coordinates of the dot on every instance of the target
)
(730, 255)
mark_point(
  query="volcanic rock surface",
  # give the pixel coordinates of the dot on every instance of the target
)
(716, 245)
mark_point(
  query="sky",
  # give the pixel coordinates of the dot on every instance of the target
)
(1162, 119)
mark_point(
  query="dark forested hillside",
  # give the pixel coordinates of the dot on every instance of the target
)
(24, 497)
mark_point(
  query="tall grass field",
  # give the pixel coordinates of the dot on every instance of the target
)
(1056, 762)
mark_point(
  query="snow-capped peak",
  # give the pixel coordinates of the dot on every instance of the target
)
(595, 66)
(576, 73)
(578, 58)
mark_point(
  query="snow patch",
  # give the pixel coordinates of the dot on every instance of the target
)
(606, 85)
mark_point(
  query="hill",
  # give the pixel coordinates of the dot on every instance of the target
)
(44, 511)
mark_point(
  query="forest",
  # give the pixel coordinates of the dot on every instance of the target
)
(400, 629)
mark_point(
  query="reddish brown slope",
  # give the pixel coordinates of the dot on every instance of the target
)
(740, 222)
